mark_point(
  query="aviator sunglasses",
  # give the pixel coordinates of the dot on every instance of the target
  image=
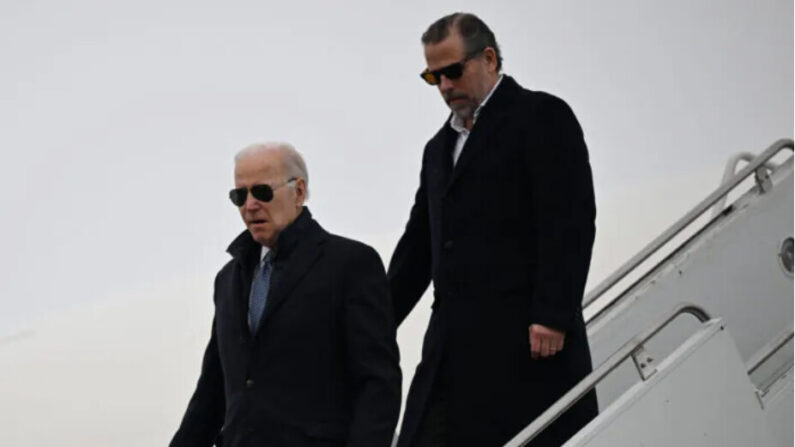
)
(452, 71)
(263, 193)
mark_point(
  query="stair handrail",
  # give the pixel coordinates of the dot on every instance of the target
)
(764, 354)
(591, 380)
(757, 167)
(769, 349)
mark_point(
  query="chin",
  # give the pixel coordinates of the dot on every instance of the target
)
(464, 113)
(260, 237)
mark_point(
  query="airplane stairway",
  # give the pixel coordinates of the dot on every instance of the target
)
(724, 378)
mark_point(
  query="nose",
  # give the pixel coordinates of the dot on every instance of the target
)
(445, 83)
(251, 202)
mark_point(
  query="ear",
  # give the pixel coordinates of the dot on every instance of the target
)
(490, 56)
(300, 191)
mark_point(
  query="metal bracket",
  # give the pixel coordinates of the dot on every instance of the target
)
(643, 362)
(760, 397)
(762, 177)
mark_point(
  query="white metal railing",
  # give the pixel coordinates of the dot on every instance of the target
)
(757, 167)
(769, 350)
(633, 348)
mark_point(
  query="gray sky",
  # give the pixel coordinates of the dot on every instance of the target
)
(118, 123)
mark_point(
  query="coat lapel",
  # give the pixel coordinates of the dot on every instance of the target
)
(289, 272)
(444, 160)
(490, 120)
(246, 254)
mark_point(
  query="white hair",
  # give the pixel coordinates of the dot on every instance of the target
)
(294, 165)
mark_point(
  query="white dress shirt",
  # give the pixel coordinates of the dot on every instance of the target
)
(458, 124)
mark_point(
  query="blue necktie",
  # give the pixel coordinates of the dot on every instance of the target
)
(259, 293)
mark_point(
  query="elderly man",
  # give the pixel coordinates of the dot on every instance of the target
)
(302, 351)
(503, 223)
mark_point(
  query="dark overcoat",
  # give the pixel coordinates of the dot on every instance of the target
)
(506, 237)
(322, 370)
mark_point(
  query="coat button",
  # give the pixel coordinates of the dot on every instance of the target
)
(249, 383)
(448, 245)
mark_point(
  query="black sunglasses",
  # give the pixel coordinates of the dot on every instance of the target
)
(263, 193)
(452, 71)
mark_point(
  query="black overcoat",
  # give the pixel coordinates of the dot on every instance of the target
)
(322, 370)
(506, 237)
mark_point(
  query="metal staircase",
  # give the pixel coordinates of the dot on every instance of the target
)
(723, 381)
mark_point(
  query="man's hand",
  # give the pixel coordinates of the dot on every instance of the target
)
(545, 341)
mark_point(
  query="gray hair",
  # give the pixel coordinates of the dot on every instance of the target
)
(294, 165)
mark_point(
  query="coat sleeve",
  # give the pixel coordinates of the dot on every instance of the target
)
(204, 417)
(410, 267)
(373, 358)
(564, 210)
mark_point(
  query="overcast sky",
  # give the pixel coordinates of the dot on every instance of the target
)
(118, 123)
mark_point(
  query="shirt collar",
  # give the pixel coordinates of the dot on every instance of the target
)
(245, 247)
(458, 124)
(263, 253)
